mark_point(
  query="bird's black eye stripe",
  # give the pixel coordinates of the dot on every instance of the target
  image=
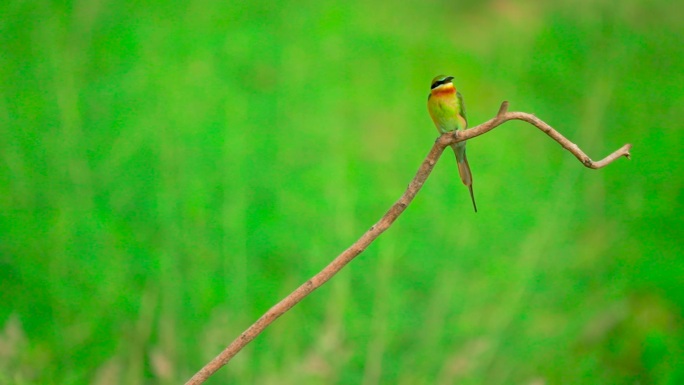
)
(438, 83)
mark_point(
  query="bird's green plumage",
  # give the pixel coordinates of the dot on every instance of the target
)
(448, 112)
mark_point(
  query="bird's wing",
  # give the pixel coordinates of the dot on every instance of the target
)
(462, 104)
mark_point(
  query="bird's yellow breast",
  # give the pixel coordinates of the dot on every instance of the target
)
(444, 108)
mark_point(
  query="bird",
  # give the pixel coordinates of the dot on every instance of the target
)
(448, 112)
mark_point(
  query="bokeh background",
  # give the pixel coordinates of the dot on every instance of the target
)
(171, 169)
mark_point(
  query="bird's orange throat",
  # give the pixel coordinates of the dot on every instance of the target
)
(444, 90)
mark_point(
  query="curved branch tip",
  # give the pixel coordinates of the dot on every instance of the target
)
(503, 109)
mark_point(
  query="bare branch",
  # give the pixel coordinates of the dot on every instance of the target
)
(386, 221)
(504, 116)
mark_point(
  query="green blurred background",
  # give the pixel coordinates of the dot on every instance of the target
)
(172, 169)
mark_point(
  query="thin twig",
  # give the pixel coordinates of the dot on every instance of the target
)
(386, 221)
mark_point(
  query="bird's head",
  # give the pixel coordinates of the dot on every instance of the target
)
(441, 84)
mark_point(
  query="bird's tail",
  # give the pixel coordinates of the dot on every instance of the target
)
(464, 169)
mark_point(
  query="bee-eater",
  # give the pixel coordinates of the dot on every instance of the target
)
(447, 110)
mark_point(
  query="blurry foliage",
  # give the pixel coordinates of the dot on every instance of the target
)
(172, 169)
